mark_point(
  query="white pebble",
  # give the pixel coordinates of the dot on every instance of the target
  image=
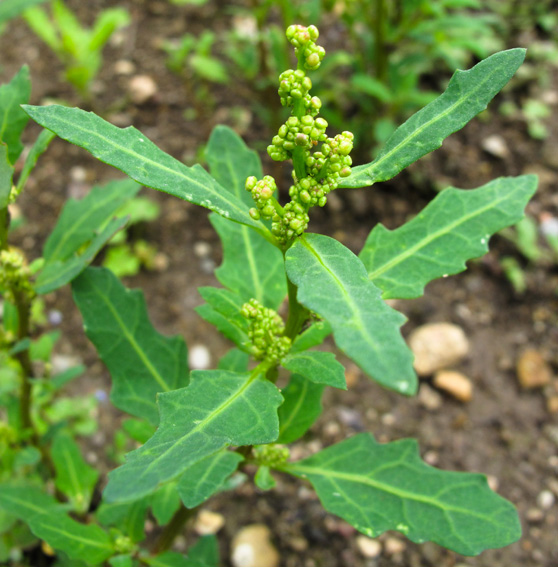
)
(368, 547)
(199, 357)
(546, 500)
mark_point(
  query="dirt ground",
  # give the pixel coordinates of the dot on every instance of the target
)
(507, 432)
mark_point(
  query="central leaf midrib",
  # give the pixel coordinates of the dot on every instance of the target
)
(158, 378)
(309, 471)
(426, 241)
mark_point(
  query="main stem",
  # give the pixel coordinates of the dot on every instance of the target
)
(297, 313)
(173, 528)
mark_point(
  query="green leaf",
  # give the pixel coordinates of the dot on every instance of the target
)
(129, 517)
(74, 477)
(142, 362)
(107, 23)
(468, 93)
(138, 429)
(263, 478)
(234, 360)
(318, 367)
(313, 336)
(12, 8)
(39, 147)
(230, 163)
(79, 220)
(6, 174)
(205, 552)
(130, 151)
(301, 408)
(12, 118)
(333, 282)
(378, 487)
(164, 503)
(57, 273)
(47, 522)
(223, 310)
(206, 477)
(217, 409)
(455, 227)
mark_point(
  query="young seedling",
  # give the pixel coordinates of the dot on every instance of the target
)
(197, 428)
(78, 48)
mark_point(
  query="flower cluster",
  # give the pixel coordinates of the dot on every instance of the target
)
(262, 193)
(304, 41)
(266, 332)
(318, 169)
(271, 455)
(14, 274)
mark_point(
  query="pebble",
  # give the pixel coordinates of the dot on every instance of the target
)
(142, 88)
(496, 146)
(428, 398)
(455, 384)
(124, 67)
(534, 515)
(552, 404)
(546, 500)
(532, 369)
(199, 357)
(251, 547)
(208, 523)
(62, 362)
(437, 346)
(368, 547)
(394, 546)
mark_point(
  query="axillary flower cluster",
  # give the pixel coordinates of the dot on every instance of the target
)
(317, 171)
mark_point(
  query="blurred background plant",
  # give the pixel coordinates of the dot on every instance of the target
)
(191, 58)
(77, 47)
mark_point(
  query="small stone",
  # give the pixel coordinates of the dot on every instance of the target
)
(532, 370)
(368, 547)
(298, 543)
(124, 67)
(202, 249)
(534, 515)
(251, 547)
(429, 398)
(493, 482)
(208, 523)
(546, 500)
(394, 546)
(142, 88)
(199, 357)
(552, 404)
(455, 384)
(432, 458)
(437, 346)
(496, 146)
(62, 362)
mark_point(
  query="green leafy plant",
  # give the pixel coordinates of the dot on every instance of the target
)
(197, 428)
(79, 48)
(190, 57)
(10, 9)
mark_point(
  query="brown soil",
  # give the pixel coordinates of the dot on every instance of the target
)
(505, 432)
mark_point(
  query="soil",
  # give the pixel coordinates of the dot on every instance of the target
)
(506, 432)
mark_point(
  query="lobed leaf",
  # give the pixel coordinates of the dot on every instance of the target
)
(223, 310)
(218, 408)
(206, 477)
(230, 163)
(164, 503)
(128, 517)
(378, 487)
(142, 362)
(12, 119)
(130, 151)
(80, 219)
(332, 281)
(467, 94)
(318, 367)
(453, 228)
(312, 336)
(74, 477)
(39, 147)
(47, 521)
(57, 273)
(301, 408)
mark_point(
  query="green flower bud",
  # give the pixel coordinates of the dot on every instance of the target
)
(254, 213)
(251, 182)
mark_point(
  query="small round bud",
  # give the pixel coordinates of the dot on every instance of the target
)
(254, 213)
(251, 182)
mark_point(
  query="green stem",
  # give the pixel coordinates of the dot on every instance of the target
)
(4, 225)
(172, 529)
(298, 314)
(299, 153)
